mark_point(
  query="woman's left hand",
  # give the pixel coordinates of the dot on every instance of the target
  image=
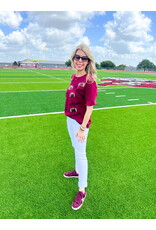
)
(81, 135)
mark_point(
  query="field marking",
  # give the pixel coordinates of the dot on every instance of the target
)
(47, 75)
(120, 96)
(25, 77)
(41, 114)
(30, 82)
(30, 115)
(33, 91)
(128, 87)
(125, 106)
(111, 93)
(112, 88)
(99, 90)
(133, 99)
(27, 91)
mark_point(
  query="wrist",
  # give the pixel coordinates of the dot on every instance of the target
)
(82, 128)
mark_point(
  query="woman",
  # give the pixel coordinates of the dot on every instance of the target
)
(80, 99)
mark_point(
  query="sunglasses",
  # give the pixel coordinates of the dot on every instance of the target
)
(83, 58)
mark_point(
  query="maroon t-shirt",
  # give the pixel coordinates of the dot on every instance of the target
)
(80, 93)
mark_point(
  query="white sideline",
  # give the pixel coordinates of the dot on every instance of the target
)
(40, 114)
(30, 115)
(126, 106)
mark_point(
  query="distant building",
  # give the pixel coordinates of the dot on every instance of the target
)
(43, 64)
(5, 64)
(27, 63)
(52, 64)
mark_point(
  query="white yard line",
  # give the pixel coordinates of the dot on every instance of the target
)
(30, 82)
(120, 96)
(40, 114)
(111, 93)
(133, 99)
(30, 115)
(128, 87)
(47, 75)
(100, 88)
(125, 106)
(33, 91)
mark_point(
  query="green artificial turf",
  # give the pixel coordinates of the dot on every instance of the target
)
(24, 103)
(126, 74)
(33, 87)
(50, 73)
(36, 151)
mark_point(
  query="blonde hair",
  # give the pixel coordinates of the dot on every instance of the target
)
(90, 68)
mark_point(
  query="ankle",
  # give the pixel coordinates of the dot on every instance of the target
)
(82, 190)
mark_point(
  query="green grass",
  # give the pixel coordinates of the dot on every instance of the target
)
(36, 151)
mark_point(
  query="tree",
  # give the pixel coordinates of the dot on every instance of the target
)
(68, 63)
(19, 63)
(97, 65)
(121, 67)
(14, 63)
(145, 64)
(107, 65)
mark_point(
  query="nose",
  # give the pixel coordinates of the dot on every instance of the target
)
(80, 59)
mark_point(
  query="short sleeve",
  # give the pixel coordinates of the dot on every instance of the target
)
(91, 93)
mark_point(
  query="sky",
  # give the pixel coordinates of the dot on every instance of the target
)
(124, 37)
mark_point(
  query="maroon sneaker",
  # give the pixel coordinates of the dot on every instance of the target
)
(78, 201)
(71, 174)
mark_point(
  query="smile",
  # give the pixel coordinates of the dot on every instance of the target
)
(79, 64)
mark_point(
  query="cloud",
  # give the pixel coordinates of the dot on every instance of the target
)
(10, 18)
(62, 20)
(50, 31)
(1, 34)
(54, 34)
(128, 32)
(59, 29)
(16, 38)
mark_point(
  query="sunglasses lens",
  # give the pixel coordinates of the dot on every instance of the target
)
(83, 58)
(77, 57)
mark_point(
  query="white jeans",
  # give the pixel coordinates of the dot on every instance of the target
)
(81, 162)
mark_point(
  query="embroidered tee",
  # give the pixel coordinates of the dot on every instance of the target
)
(80, 93)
